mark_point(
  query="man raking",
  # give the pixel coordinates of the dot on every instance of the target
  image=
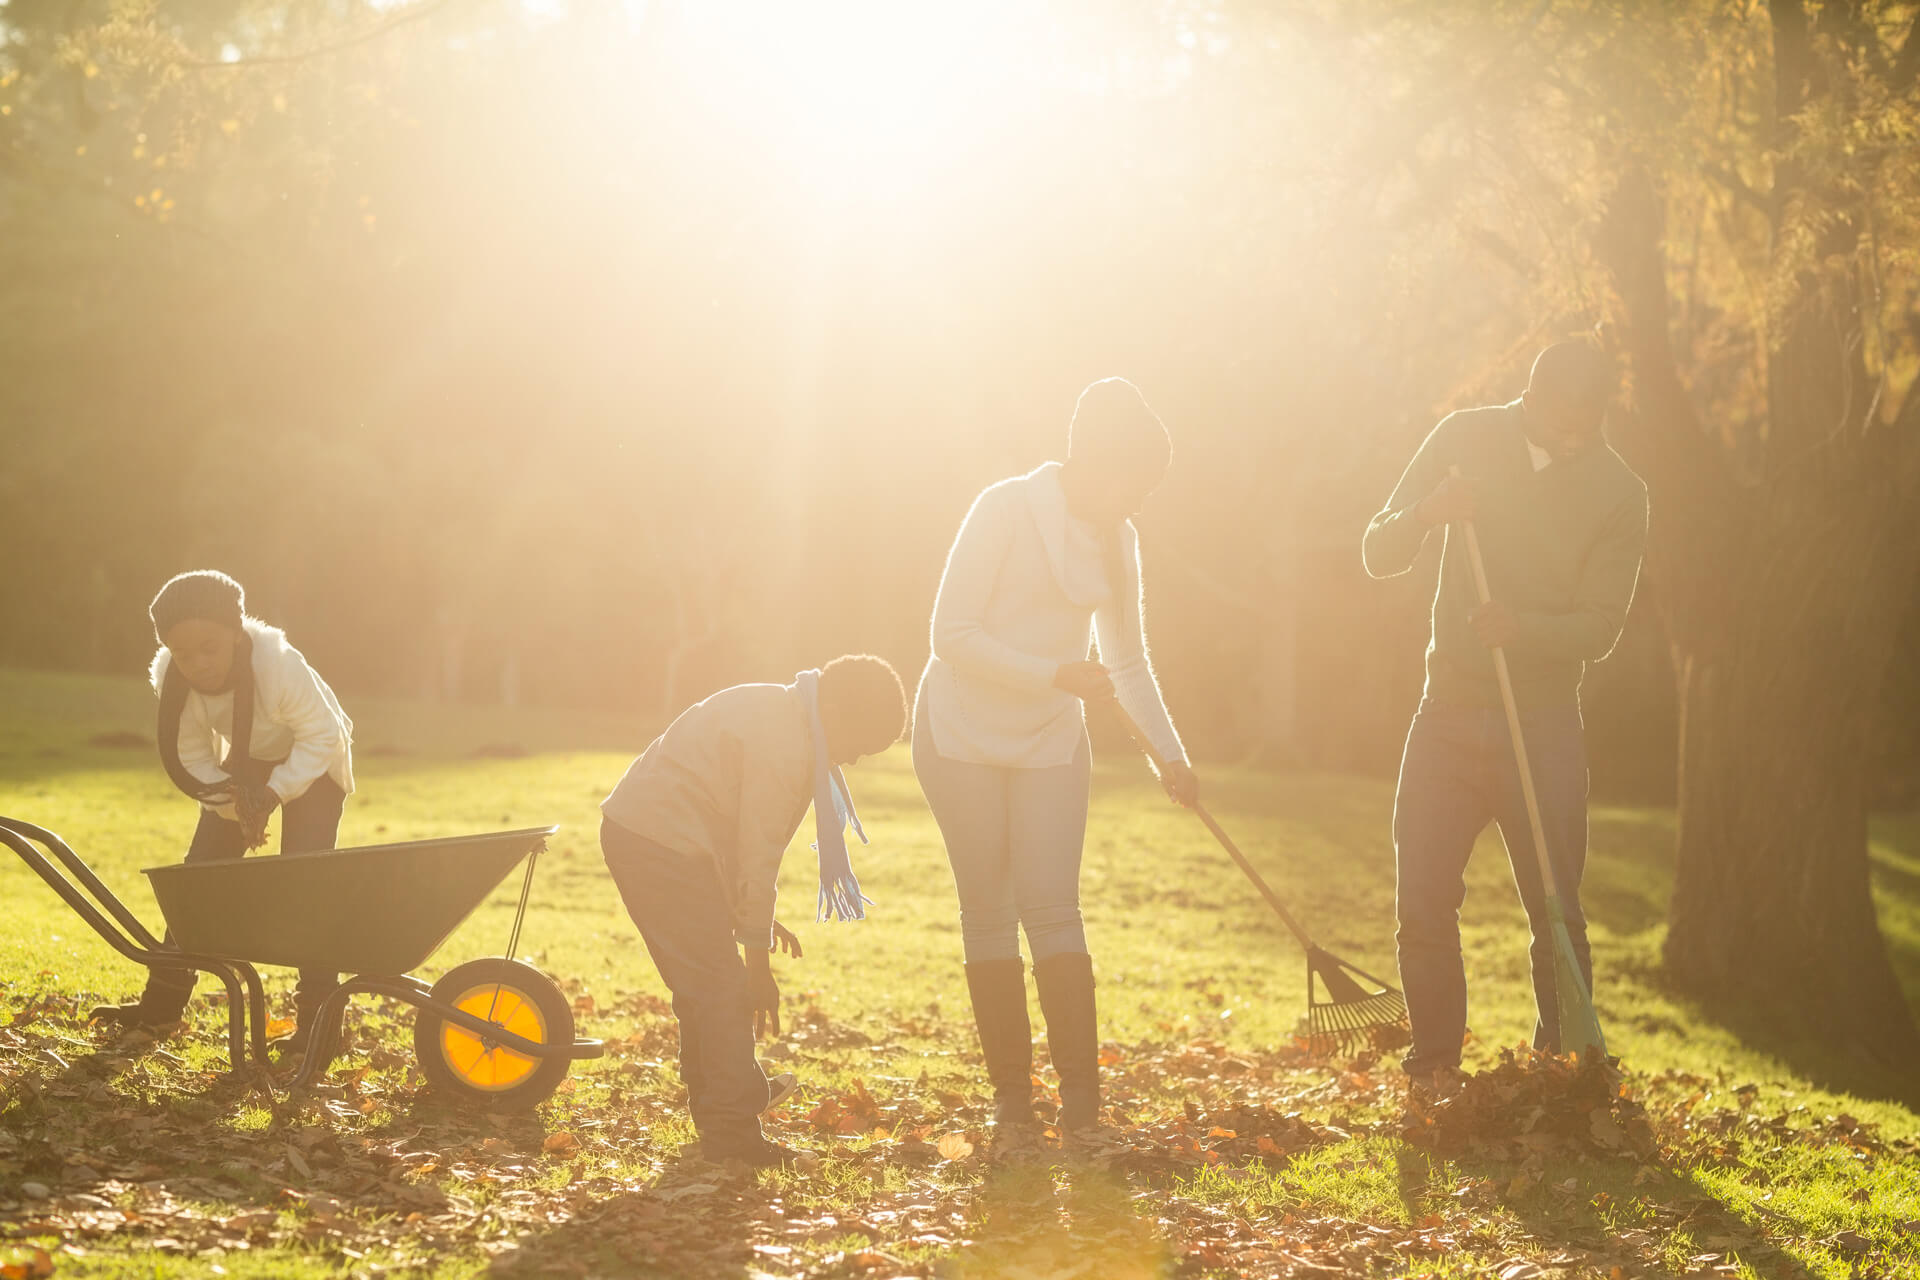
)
(1561, 522)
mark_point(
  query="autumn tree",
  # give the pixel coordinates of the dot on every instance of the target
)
(1788, 543)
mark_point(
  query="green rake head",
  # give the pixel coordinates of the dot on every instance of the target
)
(1579, 1024)
(1359, 1011)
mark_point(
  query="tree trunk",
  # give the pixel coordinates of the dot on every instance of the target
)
(1771, 900)
(1781, 594)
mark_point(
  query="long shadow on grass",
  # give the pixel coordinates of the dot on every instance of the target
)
(1626, 890)
(700, 1222)
(1819, 1062)
(83, 1138)
(1617, 1213)
(109, 1118)
(696, 1220)
(1083, 1225)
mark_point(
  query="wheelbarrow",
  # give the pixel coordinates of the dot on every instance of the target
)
(494, 1032)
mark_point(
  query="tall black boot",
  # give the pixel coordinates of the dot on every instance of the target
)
(1066, 999)
(306, 1025)
(163, 1003)
(999, 991)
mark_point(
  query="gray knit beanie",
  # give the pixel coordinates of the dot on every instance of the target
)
(203, 593)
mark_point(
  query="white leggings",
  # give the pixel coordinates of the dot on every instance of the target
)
(1013, 838)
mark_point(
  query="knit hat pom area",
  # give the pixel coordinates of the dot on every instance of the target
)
(203, 593)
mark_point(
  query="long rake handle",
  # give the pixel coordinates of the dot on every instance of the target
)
(1513, 716)
(1226, 841)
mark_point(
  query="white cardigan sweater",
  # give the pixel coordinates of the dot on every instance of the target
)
(296, 719)
(1021, 584)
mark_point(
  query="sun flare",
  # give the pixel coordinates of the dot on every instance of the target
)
(854, 93)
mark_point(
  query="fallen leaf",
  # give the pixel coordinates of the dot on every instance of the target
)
(1607, 1132)
(36, 1267)
(954, 1147)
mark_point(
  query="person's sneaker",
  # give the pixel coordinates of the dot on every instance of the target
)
(783, 1086)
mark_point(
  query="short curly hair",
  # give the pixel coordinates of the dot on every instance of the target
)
(863, 703)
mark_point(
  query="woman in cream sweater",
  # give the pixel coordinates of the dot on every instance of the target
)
(1000, 739)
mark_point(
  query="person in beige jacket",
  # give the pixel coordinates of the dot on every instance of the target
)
(694, 835)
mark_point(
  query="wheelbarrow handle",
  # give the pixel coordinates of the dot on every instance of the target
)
(109, 917)
(1159, 763)
(79, 871)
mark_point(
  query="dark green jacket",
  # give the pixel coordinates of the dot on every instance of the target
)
(1562, 547)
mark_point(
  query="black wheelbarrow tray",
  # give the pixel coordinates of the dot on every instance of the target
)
(495, 1032)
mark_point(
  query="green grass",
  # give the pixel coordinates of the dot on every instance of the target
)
(1187, 955)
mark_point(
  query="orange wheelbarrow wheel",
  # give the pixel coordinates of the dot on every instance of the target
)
(465, 1065)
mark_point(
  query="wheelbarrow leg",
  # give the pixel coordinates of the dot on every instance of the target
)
(326, 1035)
(236, 1021)
(257, 1011)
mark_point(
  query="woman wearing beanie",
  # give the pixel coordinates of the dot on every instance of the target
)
(1000, 740)
(246, 726)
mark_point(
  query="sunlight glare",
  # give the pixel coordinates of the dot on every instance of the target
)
(856, 92)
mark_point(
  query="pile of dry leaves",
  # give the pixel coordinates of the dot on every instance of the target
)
(1530, 1105)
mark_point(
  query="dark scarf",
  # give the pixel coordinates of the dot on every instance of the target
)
(240, 766)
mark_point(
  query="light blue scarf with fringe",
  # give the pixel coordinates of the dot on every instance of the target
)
(840, 896)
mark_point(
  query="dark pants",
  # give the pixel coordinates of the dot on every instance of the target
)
(1458, 774)
(682, 911)
(310, 823)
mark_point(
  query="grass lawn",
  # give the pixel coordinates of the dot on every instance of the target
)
(148, 1162)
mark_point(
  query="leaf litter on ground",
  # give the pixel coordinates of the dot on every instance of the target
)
(126, 1145)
